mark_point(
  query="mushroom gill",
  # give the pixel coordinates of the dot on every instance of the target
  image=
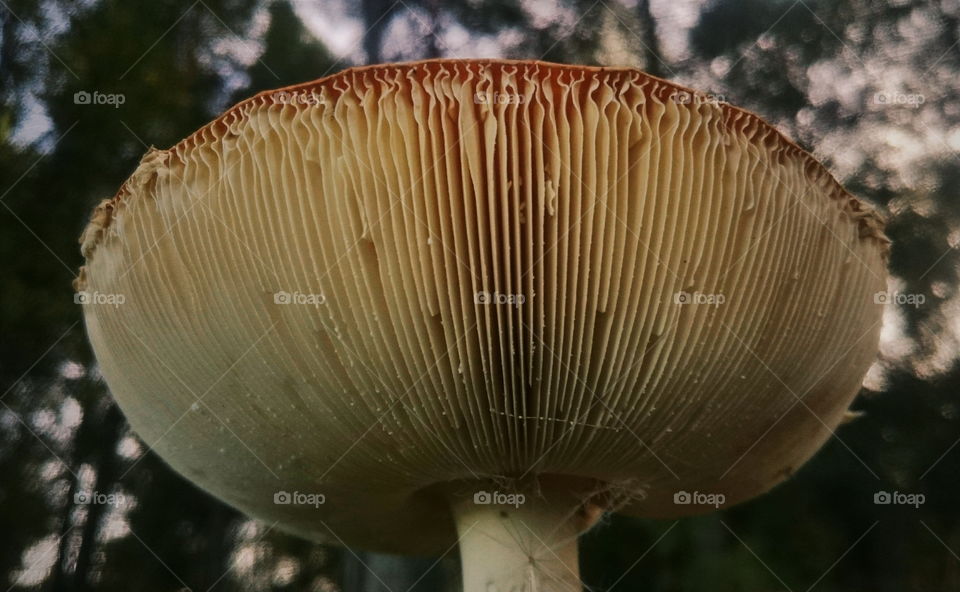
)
(404, 287)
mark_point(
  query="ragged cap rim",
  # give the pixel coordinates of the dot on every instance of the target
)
(870, 221)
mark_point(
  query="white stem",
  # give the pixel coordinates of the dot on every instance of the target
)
(525, 547)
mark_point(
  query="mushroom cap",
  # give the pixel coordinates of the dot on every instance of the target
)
(410, 279)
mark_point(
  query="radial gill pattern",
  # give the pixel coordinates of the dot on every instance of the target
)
(405, 276)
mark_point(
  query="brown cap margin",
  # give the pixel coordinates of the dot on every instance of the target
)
(870, 221)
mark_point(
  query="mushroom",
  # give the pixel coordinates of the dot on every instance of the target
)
(483, 302)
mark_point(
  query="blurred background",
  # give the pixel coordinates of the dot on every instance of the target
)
(870, 87)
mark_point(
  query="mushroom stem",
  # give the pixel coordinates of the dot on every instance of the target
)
(521, 543)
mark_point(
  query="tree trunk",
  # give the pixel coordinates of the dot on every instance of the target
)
(653, 59)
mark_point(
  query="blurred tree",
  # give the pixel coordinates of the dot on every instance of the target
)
(291, 55)
(376, 16)
(653, 57)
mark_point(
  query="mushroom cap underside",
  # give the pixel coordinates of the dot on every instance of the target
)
(343, 300)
